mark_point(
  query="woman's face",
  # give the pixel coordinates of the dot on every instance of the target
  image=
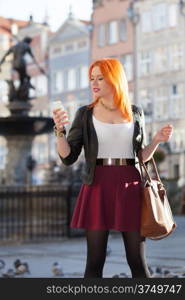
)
(99, 86)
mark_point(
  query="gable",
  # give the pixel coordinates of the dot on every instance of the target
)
(70, 30)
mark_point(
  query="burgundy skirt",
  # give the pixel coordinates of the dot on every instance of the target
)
(113, 201)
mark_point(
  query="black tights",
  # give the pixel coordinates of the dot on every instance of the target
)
(96, 253)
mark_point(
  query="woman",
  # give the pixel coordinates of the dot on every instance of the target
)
(112, 131)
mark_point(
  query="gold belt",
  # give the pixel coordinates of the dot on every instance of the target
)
(115, 161)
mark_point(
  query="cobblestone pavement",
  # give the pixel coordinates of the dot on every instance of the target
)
(167, 255)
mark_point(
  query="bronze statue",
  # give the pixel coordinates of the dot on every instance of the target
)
(19, 64)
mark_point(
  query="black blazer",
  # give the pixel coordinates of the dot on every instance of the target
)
(82, 133)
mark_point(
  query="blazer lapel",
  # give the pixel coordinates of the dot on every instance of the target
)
(136, 135)
(91, 129)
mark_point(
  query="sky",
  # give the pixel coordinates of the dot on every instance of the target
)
(57, 10)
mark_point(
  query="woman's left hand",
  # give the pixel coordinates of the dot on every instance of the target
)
(164, 134)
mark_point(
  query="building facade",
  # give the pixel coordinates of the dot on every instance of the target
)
(68, 68)
(112, 34)
(161, 72)
(149, 40)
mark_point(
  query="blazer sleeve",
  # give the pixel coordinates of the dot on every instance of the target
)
(144, 137)
(74, 139)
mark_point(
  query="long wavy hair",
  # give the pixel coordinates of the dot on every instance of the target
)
(114, 74)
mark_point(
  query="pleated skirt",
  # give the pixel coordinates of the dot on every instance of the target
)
(113, 201)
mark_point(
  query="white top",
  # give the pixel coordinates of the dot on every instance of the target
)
(114, 140)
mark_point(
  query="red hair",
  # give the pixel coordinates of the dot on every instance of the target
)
(114, 74)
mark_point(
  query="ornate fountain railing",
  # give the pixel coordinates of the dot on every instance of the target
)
(36, 213)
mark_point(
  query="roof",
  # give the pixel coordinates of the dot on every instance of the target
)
(80, 26)
(6, 23)
(86, 22)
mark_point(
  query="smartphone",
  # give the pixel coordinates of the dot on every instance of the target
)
(57, 105)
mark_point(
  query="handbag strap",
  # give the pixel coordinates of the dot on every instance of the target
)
(142, 164)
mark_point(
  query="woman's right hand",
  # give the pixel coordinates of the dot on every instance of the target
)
(60, 118)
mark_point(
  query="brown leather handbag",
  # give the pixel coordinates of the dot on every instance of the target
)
(156, 216)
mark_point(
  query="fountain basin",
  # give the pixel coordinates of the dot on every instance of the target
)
(25, 125)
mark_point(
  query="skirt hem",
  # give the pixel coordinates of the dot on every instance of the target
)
(105, 228)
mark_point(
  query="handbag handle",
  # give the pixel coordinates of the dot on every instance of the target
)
(142, 164)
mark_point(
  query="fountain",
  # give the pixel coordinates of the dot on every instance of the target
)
(28, 212)
(19, 129)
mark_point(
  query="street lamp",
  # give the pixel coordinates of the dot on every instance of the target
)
(132, 14)
(134, 17)
(182, 7)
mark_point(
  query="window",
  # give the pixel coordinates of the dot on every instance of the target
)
(101, 35)
(57, 50)
(172, 15)
(14, 29)
(177, 104)
(41, 85)
(113, 32)
(58, 82)
(145, 99)
(177, 139)
(176, 56)
(146, 21)
(177, 90)
(71, 79)
(176, 170)
(122, 30)
(161, 60)
(84, 80)
(145, 62)
(174, 89)
(159, 16)
(82, 44)
(69, 47)
(128, 65)
(161, 103)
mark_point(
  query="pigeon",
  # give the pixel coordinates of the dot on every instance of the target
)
(157, 273)
(2, 264)
(166, 272)
(171, 275)
(115, 276)
(150, 270)
(158, 270)
(57, 270)
(123, 275)
(21, 267)
(9, 274)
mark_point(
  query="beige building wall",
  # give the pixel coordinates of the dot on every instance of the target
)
(161, 64)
